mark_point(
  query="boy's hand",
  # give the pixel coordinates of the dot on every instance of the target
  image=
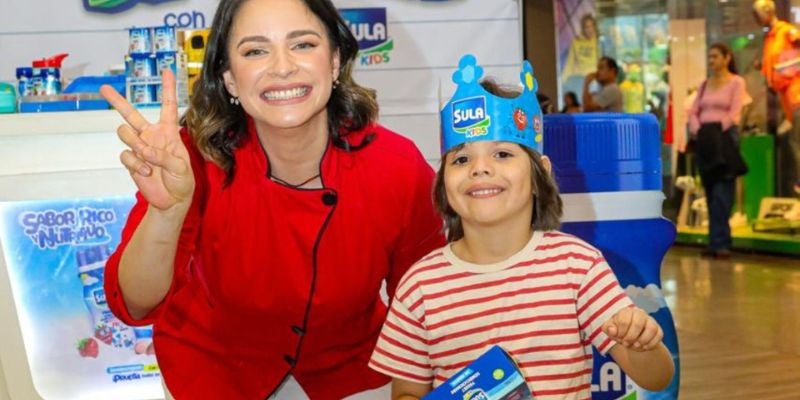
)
(635, 329)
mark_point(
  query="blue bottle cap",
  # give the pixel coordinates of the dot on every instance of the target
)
(24, 72)
(604, 152)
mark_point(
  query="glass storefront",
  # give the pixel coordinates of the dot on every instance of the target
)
(661, 47)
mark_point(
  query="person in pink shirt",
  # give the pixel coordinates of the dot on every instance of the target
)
(713, 123)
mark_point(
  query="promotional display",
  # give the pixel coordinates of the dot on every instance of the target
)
(580, 44)
(608, 169)
(492, 376)
(402, 56)
(473, 114)
(55, 253)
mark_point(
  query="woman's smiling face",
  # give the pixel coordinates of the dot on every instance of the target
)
(282, 66)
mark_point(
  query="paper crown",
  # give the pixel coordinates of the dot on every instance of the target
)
(474, 114)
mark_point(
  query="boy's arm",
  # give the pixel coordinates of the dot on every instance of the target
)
(407, 390)
(639, 350)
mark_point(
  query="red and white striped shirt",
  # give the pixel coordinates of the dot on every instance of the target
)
(544, 305)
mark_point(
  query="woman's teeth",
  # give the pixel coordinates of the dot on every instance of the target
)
(285, 94)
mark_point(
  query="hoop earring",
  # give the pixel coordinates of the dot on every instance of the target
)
(234, 100)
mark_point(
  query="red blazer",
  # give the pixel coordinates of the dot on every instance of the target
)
(271, 280)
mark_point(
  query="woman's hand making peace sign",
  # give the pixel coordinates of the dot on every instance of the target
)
(157, 158)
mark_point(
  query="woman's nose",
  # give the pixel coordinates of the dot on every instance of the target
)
(283, 63)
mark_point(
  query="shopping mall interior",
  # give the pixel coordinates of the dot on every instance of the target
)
(633, 182)
(734, 316)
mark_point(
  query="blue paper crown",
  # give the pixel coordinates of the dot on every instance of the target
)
(474, 114)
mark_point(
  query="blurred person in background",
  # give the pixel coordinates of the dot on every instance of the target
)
(714, 123)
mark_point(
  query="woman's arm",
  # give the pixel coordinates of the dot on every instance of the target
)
(159, 163)
(146, 266)
(694, 111)
(422, 226)
(734, 114)
(570, 67)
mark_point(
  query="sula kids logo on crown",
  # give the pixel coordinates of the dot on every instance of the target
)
(115, 6)
(470, 117)
(369, 27)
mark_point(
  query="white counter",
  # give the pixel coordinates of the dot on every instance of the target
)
(51, 156)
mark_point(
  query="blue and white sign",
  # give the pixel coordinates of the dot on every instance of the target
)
(55, 254)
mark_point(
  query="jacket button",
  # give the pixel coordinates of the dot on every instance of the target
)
(329, 199)
(298, 330)
(289, 360)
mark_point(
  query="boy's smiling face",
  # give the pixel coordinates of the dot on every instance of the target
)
(488, 183)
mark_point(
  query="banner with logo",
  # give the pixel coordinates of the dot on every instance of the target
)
(55, 253)
(408, 48)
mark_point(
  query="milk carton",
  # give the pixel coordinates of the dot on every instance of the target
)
(106, 327)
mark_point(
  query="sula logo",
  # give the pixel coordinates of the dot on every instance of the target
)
(370, 28)
(115, 6)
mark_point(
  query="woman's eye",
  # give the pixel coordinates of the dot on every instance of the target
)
(304, 45)
(254, 52)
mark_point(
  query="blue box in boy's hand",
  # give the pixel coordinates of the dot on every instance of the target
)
(493, 376)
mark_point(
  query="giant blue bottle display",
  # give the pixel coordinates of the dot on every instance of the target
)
(608, 169)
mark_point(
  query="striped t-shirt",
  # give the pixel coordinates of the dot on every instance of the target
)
(544, 305)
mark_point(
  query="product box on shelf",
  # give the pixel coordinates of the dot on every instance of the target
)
(150, 51)
(81, 94)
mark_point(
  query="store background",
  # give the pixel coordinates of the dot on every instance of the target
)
(661, 46)
(57, 161)
(407, 84)
(51, 157)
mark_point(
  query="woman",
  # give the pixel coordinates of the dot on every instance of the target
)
(571, 103)
(713, 120)
(265, 227)
(584, 51)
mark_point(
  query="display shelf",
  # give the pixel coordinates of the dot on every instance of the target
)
(744, 238)
(52, 156)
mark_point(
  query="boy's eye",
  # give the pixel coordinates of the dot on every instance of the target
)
(503, 154)
(458, 160)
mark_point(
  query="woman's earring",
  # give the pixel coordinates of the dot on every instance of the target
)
(234, 100)
(335, 83)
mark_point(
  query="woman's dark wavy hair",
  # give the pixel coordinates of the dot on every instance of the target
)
(725, 51)
(217, 126)
(547, 204)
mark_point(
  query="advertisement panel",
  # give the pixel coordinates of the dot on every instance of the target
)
(55, 254)
(408, 48)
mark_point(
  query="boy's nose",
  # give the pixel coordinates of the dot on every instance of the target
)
(480, 168)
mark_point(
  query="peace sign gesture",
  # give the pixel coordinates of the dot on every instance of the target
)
(157, 158)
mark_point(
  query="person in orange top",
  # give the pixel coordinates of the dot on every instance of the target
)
(780, 65)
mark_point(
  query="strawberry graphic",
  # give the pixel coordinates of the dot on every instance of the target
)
(103, 332)
(88, 348)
